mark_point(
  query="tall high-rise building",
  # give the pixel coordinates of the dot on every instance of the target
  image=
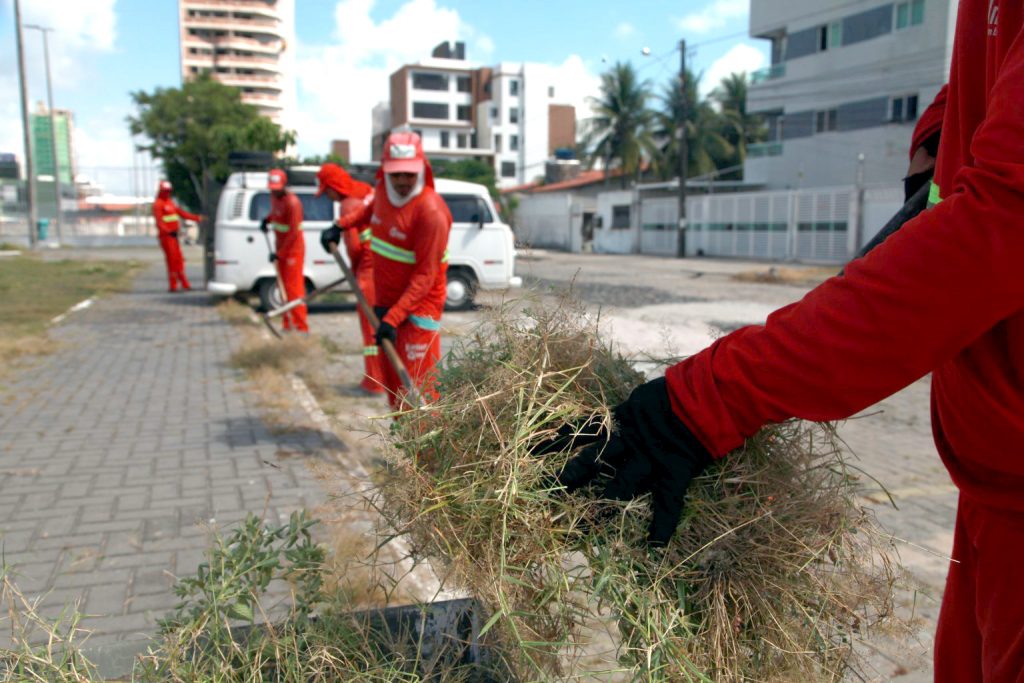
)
(511, 116)
(847, 81)
(249, 44)
(42, 143)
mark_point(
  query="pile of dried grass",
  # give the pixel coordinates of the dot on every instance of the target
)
(773, 575)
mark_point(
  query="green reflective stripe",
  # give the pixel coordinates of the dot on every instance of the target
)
(934, 196)
(369, 350)
(172, 218)
(365, 236)
(390, 251)
(425, 323)
(444, 259)
(281, 227)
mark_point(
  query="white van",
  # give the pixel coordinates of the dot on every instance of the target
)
(481, 253)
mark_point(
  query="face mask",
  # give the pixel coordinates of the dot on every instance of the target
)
(913, 183)
(398, 201)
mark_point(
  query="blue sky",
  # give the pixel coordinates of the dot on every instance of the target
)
(103, 49)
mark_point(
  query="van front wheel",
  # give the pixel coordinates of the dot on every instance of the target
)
(270, 295)
(460, 291)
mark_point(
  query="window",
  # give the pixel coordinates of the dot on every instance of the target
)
(835, 34)
(495, 116)
(825, 121)
(909, 13)
(497, 143)
(429, 110)
(463, 112)
(460, 140)
(551, 91)
(428, 81)
(313, 208)
(513, 143)
(513, 115)
(513, 88)
(467, 208)
(911, 107)
(903, 108)
(620, 217)
(445, 140)
(508, 169)
(463, 84)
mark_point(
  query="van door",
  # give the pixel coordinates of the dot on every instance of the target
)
(477, 239)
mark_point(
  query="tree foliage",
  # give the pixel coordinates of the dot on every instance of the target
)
(470, 170)
(626, 133)
(192, 130)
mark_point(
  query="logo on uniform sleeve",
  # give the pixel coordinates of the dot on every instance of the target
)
(396, 233)
(993, 18)
(375, 219)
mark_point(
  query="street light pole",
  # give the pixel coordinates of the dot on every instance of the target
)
(30, 172)
(681, 245)
(53, 130)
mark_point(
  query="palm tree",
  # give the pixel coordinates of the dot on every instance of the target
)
(706, 147)
(620, 130)
(741, 128)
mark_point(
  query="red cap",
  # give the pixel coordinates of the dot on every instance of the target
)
(277, 179)
(163, 190)
(403, 153)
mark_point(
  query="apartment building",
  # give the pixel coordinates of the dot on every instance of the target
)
(43, 143)
(508, 115)
(846, 84)
(245, 43)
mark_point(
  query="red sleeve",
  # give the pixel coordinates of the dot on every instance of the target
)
(356, 217)
(185, 214)
(432, 226)
(294, 212)
(352, 242)
(930, 122)
(916, 301)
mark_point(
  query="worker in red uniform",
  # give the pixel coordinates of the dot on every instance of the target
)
(943, 295)
(409, 224)
(168, 217)
(285, 218)
(353, 196)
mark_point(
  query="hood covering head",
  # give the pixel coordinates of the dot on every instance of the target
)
(163, 190)
(276, 179)
(403, 153)
(338, 179)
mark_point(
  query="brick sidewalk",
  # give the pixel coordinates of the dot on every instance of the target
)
(117, 448)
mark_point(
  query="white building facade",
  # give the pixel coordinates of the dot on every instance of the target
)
(846, 85)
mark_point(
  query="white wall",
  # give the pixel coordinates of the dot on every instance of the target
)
(608, 240)
(545, 220)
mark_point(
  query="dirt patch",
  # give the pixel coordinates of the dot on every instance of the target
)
(785, 275)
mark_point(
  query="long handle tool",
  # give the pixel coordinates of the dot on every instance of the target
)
(295, 303)
(389, 348)
(280, 286)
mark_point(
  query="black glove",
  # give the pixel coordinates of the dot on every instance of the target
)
(384, 330)
(173, 234)
(650, 452)
(329, 236)
(273, 257)
(264, 225)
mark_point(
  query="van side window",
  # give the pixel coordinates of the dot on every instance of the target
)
(313, 208)
(467, 208)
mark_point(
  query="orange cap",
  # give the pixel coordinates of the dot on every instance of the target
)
(277, 179)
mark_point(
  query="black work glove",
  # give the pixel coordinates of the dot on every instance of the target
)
(651, 451)
(273, 257)
(264, 225)
(384, 330)
(173, 234)
(331, 235)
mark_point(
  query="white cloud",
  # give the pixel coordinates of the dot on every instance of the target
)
(716, 15)
(77, 24)
(625, 30)
(739, 58)
(576, 84)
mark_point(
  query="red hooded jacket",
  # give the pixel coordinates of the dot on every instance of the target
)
(944, 295)
(168, 215)
(286, 220)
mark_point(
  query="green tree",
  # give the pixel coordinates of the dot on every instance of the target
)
(740, 128)
(192, 130)
(470, 170)
(619, 133)
(707, 148)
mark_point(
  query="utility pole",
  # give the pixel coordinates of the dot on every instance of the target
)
(30, 171)
(53, 130)
(681, 245)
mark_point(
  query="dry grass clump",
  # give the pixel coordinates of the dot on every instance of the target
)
(775, 571)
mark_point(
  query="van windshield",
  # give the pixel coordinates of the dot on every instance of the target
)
(467, 208)
(313, 208)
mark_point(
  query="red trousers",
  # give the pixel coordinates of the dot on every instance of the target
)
(980, 636)
(420, 351)
(373, 359)
(175, 262)
(289, 264)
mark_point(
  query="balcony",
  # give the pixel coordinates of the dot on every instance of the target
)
(258, 8)
(768, 73)
(270, 47)
(250, 80)
(764, 149)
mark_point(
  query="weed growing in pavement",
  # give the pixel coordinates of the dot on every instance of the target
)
(775, 573)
